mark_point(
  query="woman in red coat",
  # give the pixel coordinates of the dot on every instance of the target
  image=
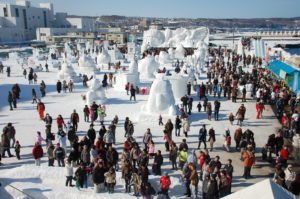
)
(259, 109)
(37, 153)
(60, 121)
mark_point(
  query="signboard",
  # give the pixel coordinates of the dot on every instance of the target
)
(282, 74)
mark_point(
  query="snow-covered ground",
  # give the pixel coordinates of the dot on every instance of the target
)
(44, 182)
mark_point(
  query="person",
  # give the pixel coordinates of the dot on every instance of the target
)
(127, 86)
(202, 136)
(231, 118)
(190, 105)
(39, 138)
(244, 92)
(59, 155)
(70, 86)
(58, 86)
(167, 140)
(37, 153)
(80, 175)
(294, 188)
(98, 177)
(110, 179)
(211, 138)
(18, 150)
(69, 173)
(240, 114)
(217, 109)
(205, 103)
(169, 128)
(189, 88)
(173, 155)
(177, 126)
(43, 88)
(136, 181)
(132, 93)
(183, 155)
(51, 157)
(147, 191)
(62, 138)
(290, 176)
(10, 100)
(60, 121)
(199, 106)
(40, 107)
(165, 184)
(209, 111)
(8, 71)
(147, 138)
(33, 94)
(74, 120)
(224, 184)
(160, 121)
(227, 142)
(185, 126)
(10, 130)
(194, 178)
(279, 176)
(249, 161)
(86, 112)
(212, 188)
(158, 161)
(5, 144)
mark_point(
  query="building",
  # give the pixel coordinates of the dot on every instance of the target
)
(116, 37)
(22, 22)
(19, 22)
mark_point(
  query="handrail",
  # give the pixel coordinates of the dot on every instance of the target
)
(15, 188)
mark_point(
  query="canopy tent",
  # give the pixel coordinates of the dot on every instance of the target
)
(266, 189)
(287, 73)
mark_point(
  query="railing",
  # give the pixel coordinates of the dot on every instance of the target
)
(18, 190)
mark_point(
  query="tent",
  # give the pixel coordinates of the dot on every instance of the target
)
(266, 189)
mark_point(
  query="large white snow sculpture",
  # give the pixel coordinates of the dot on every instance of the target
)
(86, 64)
(161, 99)
(147, 67)
(67, 73)
(103, 59)
(164, 58)
(132, 76)
(178, 83)
(95, 93)
(180, 52)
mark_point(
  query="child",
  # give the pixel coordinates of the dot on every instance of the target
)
(199, 106)
(136, 182)
(167, 140)
(17, 149)
(231, 118)
(151, 149)
(110, 179)
(69, 173)
(160, 121)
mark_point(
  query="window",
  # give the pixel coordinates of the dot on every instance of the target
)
(45, 18)
(5, 12)
(17, 12)
(25, 19)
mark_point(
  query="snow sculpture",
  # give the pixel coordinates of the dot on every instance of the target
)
(103, 59)
(133, 77)
(115, 54)
(96, 93)
(147, 67)
(67, 73)
(164, 58)
(38, 54)
(86, 64)
(178, 83)
(161, 99)
(172, 38)
(180, 52)
(171, 53)
(69, 54)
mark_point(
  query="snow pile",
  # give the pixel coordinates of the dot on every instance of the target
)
(115, 54)
(49, 182)
(147, 67)
(172, 38)
(103, 58)
(161, 98)
(67, 73)
(96, 93)
(86, 64)
(133, 77)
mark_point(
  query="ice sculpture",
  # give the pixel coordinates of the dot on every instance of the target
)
(95, 93)
(147, 67)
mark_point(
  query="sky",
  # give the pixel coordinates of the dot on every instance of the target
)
(178, 8)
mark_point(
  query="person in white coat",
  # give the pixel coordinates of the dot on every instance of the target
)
(185, 126)
(296, 146)
(69, 173)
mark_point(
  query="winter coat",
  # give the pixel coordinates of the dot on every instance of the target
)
(169, 127)
(37, 152)
(212, 135)
(135, 153)
(130, 129)
(183, 155)
(39, 139)
(212, 190)
(50, 151)
(110, 178)
(85, 156)
(59, 153)
(91, 134)
(60, 122)
(173, 153)
(108, 137)
(72, 135)
(249, 159)
(165, 182)
(80, 174)
(194, 178)
(202, 134)
(185, 125)
(158, 159)
(147, 138)
(5, 141)
(98, 175)
(74, 118)
(178, 123)
(112, 156)
(69, 170)
(10, 130)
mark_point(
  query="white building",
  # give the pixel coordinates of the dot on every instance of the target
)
(19, 22)
(22, 22)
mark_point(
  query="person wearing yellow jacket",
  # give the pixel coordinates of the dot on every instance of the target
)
(183, 155)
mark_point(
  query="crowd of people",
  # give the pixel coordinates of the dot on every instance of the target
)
(95, 159)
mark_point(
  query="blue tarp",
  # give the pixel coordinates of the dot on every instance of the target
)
(277, 65)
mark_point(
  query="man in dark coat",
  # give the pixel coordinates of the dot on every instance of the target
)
(202, 137)
(132, 93)
(158, 161)
(91, 134)
(58, 86)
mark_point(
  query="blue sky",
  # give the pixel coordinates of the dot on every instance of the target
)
(179, 8)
